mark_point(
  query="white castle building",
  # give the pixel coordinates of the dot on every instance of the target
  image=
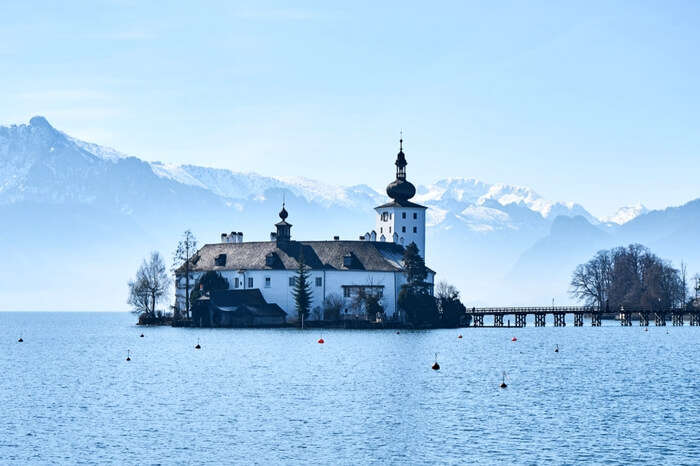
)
(261, 275)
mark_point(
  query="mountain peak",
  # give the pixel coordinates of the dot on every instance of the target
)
(627, 213)
(40, 122)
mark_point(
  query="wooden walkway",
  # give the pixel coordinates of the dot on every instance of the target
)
(520, 314)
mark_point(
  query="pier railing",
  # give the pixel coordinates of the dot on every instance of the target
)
(624, 315)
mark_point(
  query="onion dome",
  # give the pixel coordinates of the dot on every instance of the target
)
(283, 213)
(400, 189)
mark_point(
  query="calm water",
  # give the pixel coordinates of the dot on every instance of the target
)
(611, 395)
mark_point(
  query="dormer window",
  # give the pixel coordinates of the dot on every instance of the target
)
(270, 259)
(348, 260)
(220, 260)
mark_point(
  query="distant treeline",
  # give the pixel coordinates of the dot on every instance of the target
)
(632, 277)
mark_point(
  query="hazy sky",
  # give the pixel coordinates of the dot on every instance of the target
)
(596, 102)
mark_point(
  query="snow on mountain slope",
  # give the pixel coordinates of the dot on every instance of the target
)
(626, 213)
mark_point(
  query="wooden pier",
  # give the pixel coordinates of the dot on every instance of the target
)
(625, 316)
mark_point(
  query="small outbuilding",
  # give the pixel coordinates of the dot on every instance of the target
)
(236, 308)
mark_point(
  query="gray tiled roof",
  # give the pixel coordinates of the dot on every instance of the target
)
(401, 203)
(328, 255)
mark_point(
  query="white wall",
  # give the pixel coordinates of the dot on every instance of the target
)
(396, 222)
(332, 282)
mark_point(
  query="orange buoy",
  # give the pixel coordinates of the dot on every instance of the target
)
(459, 336)
(321, 340)
(513, 339)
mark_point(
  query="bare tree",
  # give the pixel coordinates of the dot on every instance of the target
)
(150, 285)
(444, 290)
(591, 281)
(157, 280)
(630, 277)
(139, 299)
(332, 306)
(186, 248)
(684, 283)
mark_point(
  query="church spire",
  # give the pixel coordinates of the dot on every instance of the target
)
(400, 189)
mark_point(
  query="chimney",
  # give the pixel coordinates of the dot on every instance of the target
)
(336, 238)
(240, 236)
(223, 237)
(273, 236)
(362, 237)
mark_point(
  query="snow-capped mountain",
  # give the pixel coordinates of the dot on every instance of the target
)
(626, 213)
(84, 215)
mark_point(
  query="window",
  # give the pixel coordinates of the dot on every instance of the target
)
(415, 216)
(346, 292)
(220, 260)
(319, 281)
(403, 214)
(403, 229)
(415, 229)
(385, 216)
(381, 229)
(267, 282)
(250, 282)
(236, 282)
(292, 281)
(389, 229)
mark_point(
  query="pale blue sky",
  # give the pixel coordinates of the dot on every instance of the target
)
(596, 102)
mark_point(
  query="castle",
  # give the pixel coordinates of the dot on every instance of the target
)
(262, 274)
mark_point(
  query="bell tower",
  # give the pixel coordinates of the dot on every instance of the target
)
(400, 220)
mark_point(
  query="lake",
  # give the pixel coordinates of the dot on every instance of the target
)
(611, 395)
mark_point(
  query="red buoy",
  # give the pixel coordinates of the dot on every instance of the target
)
(459, 336)
(513, 339)
(321, 341)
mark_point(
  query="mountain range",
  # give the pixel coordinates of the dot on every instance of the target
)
(77, 219)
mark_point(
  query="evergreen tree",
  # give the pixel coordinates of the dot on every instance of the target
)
(302, 290)
(415, 269)
(414, 297)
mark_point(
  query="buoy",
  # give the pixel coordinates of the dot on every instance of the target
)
(141, 335)
(20, 340)
(436, 366)
(128, 355)
(556, 348)
(197, 345)
(503, 382)
(321, 341)
(459, 336)
(646, 329)
(397, 332)
(513, 339)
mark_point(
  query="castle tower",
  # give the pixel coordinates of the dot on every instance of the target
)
(283, 231)
(401, 221)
